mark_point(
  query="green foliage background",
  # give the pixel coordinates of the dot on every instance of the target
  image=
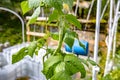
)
(10, 25)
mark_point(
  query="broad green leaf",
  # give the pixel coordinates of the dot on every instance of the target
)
(60, 67)
(34, 16)
(69, 2)
(73, 20)
(50, 72)
(57, 4)
(84, 61)
(25, 7)
(77, 63)
(19, 55)
(82, 45)
(31, 48)
(72, 34)
(69, 41)
(51, 61)
(62, 75)
(69, 38)
(50, 64)
(91, 62)
(70, 68)
(54, 16)
(34, 3)
(48, 2)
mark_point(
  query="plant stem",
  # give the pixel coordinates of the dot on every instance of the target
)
(61, 37)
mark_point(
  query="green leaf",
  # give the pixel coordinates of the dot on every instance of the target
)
(72, 34)
(75, 61)
(34, 16)
(82, 45)
(60, 67)
(25, 7)
(40, 43)
(69, 2)
(55, 36)
(34, 3)
(50, 72)
(19, 55)
(51, 61)
(62, 75)
(69, 41)
(50, 64)
(73, 20)
(48, 2)
(91, 62)
(57, 4)
(84, 61)
(71, 68)
(54, 16)
(31, 48)
(69, 38)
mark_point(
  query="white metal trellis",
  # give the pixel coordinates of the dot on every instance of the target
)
(104, 9)
(112, 34)
(94, 77)
(89, 12)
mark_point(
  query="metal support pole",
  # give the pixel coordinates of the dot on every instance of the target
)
(94, 76)
(104, 9)
(114, 41)
(114, 44)
(111, 17)
(88, 16)
(77, 5)
(111, 39)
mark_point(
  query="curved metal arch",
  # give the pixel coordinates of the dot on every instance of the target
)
(22, 22)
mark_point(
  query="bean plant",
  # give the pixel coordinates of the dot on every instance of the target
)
(59, 64)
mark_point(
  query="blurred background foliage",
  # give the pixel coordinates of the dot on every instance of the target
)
(10, 25)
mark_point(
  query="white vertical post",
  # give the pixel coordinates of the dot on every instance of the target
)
(111, 38)
(94, 76)
(110, 33)
(104, 9)
(77, 5)
(114, 44)
(89, 12)
(110, 17)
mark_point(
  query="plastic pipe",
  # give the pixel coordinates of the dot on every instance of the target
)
(94, 75)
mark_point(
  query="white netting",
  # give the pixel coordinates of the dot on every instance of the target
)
(28, 66)
(25, 67)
